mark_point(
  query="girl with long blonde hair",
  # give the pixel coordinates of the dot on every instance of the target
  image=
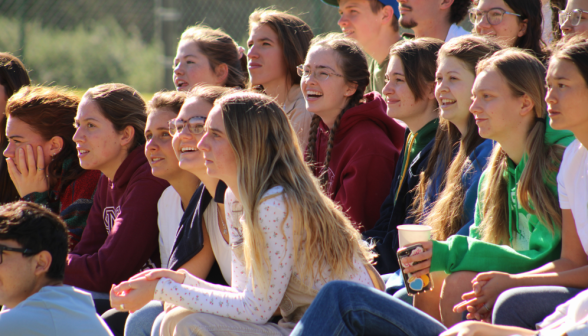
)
(517, 224)
(288, 239)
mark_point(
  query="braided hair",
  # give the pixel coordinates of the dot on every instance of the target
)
(353, 63)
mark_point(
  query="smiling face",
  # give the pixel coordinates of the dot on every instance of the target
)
(325, 98)
(99, 145)
(358, 21)
(192, 67)
(567, 28)
(185, 143)
(495, 107)
(159, 150)
(266, 61)
(21, 134)
(507, 31)
(17, 277)
(453, 91)
(567, 97)
(219, 156)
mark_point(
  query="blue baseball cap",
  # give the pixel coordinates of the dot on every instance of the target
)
(391, 3)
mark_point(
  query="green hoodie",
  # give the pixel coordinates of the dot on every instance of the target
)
(533, 245)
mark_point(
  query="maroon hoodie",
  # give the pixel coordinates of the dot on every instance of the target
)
(366, 148)
(121, 233)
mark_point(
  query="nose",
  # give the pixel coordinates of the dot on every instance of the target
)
(252, 53)
(441, 87)
(9, 151)
(475, 107)
(343, 22)
(77, 137)
(484, 23)
(550, 97)
(151, 145)
(567, 28)
(203, 144)
(388, 89)
(178, 70)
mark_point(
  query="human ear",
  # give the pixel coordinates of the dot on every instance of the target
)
(127, 135)
(42, 262)
(386, 15)
(221, 72)
(350, 90)
(446, 4)
(430, 93)
(527, 105)
(55, 145)
(523, 28)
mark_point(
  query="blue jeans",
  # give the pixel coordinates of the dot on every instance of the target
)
(526, 306)
(141, 322)
(348, 308)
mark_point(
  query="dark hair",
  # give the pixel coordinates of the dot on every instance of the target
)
(446, 216)
(531, 11)
(220, 48)
(123, 106)
(354, 67)
(50, 112)
(209, 93)
(36, 228)
(13, 76)
(575, 50)
(419, 60)
(170, 100)
(294, 35)
(459, 10)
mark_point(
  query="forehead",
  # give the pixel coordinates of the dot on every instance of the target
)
(89, 109)
(15, 126)
(193, 107)
(320, 55)
(489, 79)
(189, 47)
(159, 118)
(263, 31)
(562, 68)
(487, 4)
(395, 66)
(354, 3)
(577, 4)
(451, 63)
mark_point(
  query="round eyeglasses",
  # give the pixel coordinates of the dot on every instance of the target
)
(493, 15)
(195, 125)
(574, 17)
(320, 73)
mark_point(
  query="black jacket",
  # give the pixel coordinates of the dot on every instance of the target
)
(189, 239)
(385, 233)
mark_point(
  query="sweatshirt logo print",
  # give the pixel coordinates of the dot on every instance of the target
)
(109, 214)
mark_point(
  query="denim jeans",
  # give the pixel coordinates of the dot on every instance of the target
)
(141, 322)
(348, 308)
(526, 306)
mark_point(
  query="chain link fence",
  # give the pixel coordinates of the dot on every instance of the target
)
(82, 43)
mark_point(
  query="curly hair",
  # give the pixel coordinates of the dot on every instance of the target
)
(459, 10)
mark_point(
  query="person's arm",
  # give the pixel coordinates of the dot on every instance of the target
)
(246, 303)
(200, 264)
(128, 246)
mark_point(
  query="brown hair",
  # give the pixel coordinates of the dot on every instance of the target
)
(446, 215)
(354, 67)
(208, 93)
(219, 48)
(377, 6)
(123, 106)
(50, 112)
(524, 75)
(169, 100)
(575, 50)
(294, 35)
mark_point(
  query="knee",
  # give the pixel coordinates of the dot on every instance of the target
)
(456, 284)
(508, 302)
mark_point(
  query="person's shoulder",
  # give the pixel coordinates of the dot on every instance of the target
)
(25, 320)
(143, 175)
(575, 152)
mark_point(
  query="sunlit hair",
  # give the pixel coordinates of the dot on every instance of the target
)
(354, 68)
(171, 101)
(524, 75)
(267, 155)
(575, 50)
(294, 36)
(446, 216)
(208, 93)
(50, 112)
(219, 48)
(123, 106)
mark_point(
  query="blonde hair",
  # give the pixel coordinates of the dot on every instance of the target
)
(525, 75)
(268, 155)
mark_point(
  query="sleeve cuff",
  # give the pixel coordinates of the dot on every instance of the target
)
(440, 254)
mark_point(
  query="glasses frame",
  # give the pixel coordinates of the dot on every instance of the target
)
(485, 14)
(568, 16)
(177, 130)
(24, 251)
(300, 71)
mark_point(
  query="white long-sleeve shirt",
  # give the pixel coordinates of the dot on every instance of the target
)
(240, 302)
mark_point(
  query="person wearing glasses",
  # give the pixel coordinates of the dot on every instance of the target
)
(195, 240)
(574, 19)
(514, 23)
(352, 144)
(33, 249)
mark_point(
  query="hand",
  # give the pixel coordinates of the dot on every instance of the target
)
(132, 295)
(423, 267)
(156, 274)
(486, 288)
(29, 176)
(168, 306)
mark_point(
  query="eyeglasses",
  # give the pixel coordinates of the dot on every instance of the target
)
(493, 15)
(320, 74)
(575, 17)
(195, 125)
(24, 251)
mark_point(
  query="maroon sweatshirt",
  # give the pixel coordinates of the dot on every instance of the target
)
(120, 238)
(366, 147)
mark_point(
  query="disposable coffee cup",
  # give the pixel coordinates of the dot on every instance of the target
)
(413, 233)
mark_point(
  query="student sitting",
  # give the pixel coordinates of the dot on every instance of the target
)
(33, 248)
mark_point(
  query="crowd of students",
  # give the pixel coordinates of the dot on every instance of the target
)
(263, 196)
